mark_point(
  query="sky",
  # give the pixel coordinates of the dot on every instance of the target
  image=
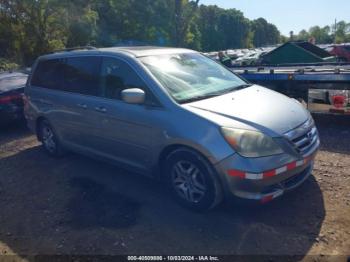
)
(291, 15)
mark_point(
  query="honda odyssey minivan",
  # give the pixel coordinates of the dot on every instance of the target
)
(176, 115)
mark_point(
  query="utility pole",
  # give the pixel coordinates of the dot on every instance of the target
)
(335, 30)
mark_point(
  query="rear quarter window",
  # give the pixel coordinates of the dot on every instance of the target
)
(72, 74)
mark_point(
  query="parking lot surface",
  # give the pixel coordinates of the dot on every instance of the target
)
(76, 205)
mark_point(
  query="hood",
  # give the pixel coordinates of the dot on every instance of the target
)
(258, 107)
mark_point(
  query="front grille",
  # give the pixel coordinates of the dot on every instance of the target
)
(288, 183)
(304, 138)
(306, 141)
(296, 179)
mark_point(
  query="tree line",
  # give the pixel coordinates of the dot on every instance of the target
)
(29, 28)
(337, 33)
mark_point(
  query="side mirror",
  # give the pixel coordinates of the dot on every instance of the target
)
(133, 96)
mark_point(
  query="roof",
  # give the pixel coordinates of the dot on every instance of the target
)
(296, 52)
(313, 49)
(139, 51)
(136, 51)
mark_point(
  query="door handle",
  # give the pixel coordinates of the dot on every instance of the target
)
(84, 106)
(101, 109)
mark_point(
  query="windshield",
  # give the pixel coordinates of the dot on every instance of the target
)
(191, 76)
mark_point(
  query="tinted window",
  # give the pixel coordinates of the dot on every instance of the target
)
(116, 76)
(81, 75)
(48, 74)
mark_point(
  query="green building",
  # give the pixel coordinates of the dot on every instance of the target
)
(297, 53)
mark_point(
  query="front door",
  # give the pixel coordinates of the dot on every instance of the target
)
(128, 130)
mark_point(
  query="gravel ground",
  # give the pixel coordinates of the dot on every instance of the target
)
(76, 205)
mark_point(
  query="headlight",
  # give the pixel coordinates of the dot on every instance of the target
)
(251, 143)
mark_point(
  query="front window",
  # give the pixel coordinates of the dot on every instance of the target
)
(191, 76)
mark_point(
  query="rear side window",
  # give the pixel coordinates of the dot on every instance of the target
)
(90, 75)
(81, 75)
(48, 74)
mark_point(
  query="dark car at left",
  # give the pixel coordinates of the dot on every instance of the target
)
(11, 97)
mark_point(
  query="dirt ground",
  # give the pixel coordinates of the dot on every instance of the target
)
(76, 205)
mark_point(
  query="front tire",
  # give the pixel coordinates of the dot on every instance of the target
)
(49, 139)
(192, 180)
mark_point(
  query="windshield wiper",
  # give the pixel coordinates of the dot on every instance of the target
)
(229, 90)
(214, 94)
(236, 88)
(243, 86)
(197, 98)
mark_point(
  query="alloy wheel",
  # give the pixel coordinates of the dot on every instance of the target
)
(188, 181)
(48, 139)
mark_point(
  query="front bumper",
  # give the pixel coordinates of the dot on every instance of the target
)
(264, 179)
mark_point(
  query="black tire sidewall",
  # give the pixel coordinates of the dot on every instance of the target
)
(57, 152)
(211, 196)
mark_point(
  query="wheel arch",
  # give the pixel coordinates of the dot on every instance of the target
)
(166, 151)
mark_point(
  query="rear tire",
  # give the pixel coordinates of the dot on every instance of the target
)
(49, 139)
(192, 180)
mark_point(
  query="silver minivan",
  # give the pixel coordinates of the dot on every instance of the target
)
(176, 115)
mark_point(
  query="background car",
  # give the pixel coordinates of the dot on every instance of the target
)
(252, 58)
(11, 96)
